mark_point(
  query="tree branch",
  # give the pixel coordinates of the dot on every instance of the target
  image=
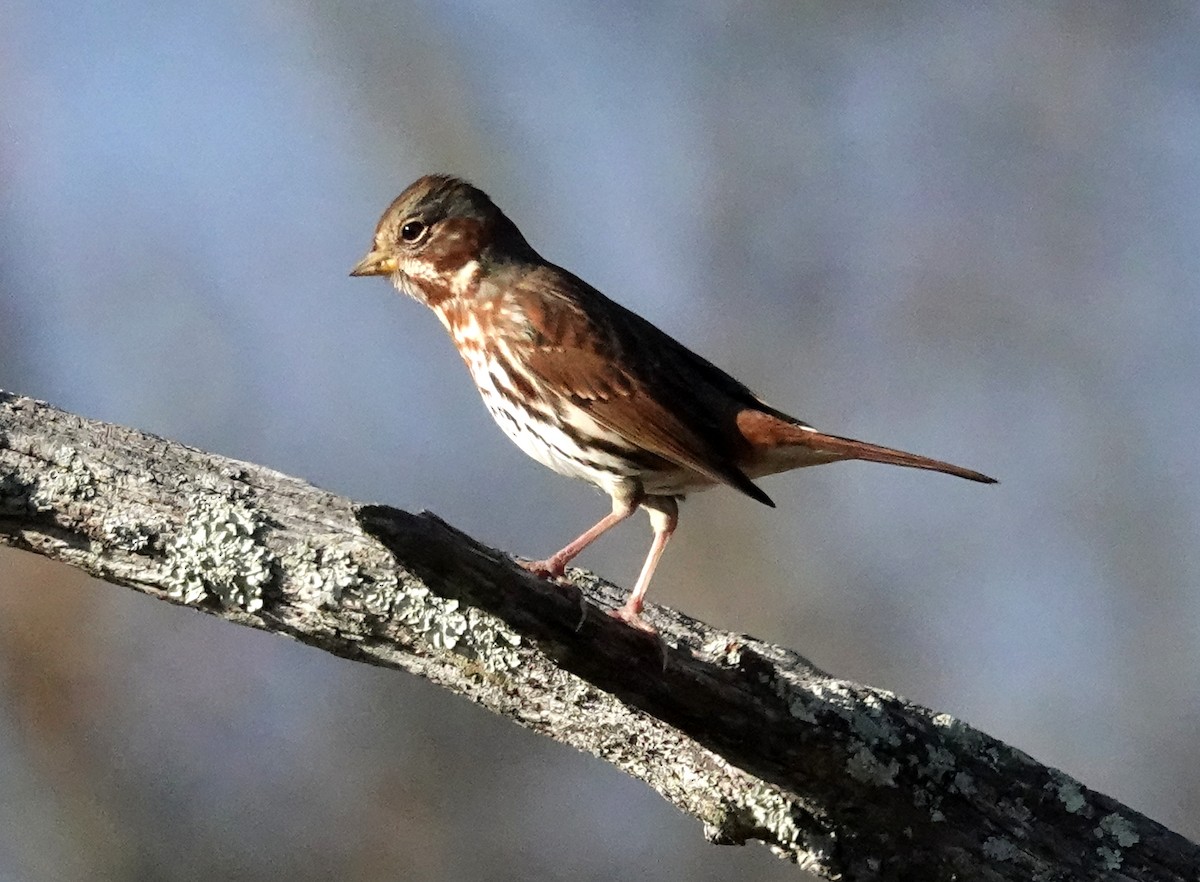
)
(847, 781)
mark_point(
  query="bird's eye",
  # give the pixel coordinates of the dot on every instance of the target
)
(412, 231)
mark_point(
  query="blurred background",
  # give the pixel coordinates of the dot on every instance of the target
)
(967, 230)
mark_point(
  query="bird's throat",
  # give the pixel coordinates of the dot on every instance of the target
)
(435, 285)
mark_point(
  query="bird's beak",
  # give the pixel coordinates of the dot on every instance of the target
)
(375, 263)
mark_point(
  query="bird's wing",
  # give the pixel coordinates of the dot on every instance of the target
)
(629, 376)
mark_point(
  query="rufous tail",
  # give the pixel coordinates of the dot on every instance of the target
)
(851, 449)
(767, 431)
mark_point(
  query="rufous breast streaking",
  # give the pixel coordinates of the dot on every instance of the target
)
(585, 386)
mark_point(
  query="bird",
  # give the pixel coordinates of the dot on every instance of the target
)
(584, 385)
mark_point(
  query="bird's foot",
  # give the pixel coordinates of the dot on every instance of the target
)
(550, 568)
(631, 616)
(554, 570)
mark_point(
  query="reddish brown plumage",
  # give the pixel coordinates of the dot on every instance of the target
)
(582, 384)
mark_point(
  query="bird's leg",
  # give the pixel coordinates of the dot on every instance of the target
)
(556, 564)
(664, 518)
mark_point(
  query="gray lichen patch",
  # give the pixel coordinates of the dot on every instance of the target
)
(322, 574)
(1069, 792)
(796, 697)
(218, 553)
(380, 595)
(965, 740)
(761, 811)
(941, 761)
(1120, 835)
(868, 718)
(437, 619)
(491, 642)
(768, 810)
(465, 631)
(725, 651)
(1018, 811)
(872, 725)
(133, 530)
(806, 699)
(798, 708)
(963, 783)
(997, 848)
(69, 481)
(329, 575)
(1119, 829)
(1110, 858)
(864, 766)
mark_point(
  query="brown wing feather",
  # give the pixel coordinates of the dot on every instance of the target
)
(631, 377)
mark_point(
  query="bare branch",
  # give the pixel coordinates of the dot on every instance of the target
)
(847, 781)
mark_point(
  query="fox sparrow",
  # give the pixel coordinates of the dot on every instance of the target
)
(582, 384)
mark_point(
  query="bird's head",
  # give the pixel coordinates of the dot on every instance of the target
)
(438, 236)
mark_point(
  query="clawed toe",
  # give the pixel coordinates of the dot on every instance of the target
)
(632, 618)
(546, 569)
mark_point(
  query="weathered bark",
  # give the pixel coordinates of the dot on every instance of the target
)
(847, 781)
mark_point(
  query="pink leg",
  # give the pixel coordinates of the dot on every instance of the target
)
(664, 518)
(556, 564)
